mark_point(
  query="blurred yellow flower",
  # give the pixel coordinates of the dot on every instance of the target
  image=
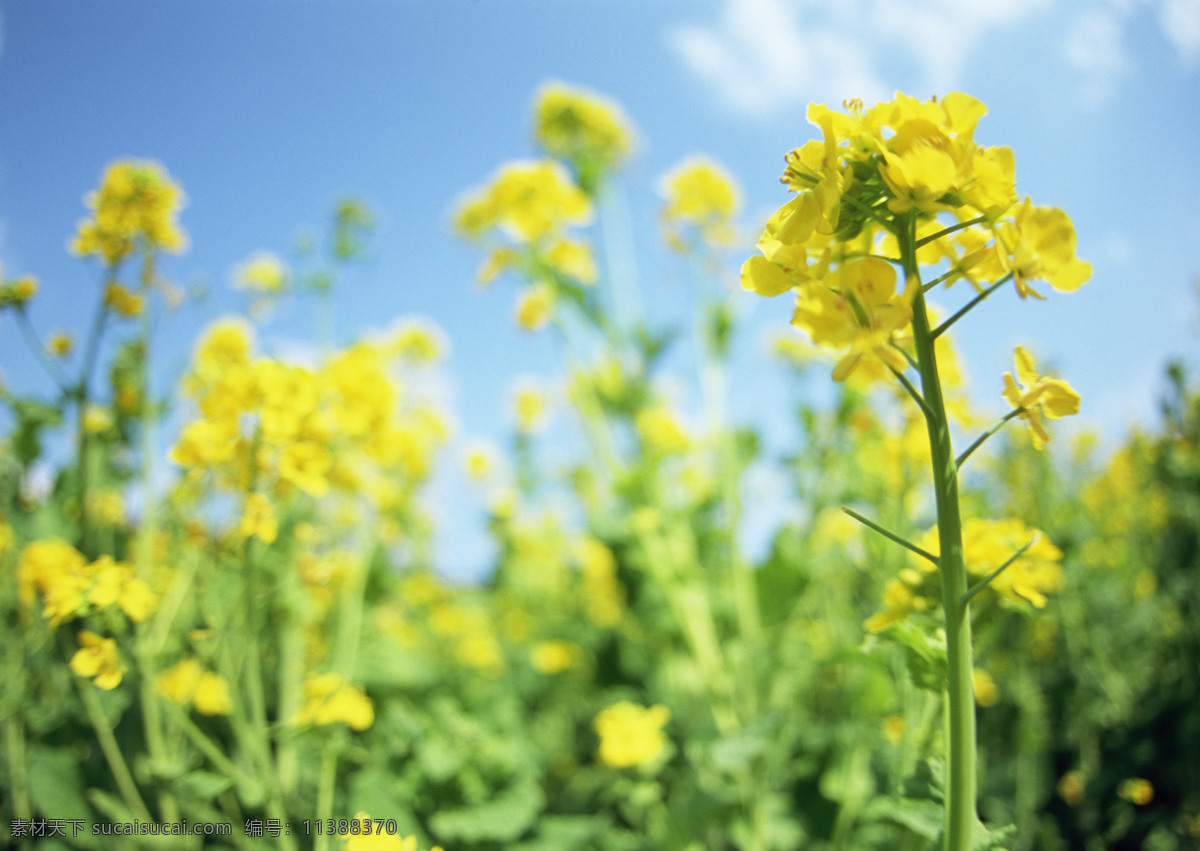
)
(17, 293)
(587, 130)
(1136, 790)
(1038, 396)
(188, 683)
(699, 194)
(530, 406)
(263, 272)
(134, 209)
(329, 699)
(553, 657)
(97, 658)
(987, 693)
(528, 201)
(121, 301)
(535, 306)
(61, 344)
(258, 519)
(630, 734)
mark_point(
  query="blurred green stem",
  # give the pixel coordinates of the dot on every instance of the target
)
(960, 698)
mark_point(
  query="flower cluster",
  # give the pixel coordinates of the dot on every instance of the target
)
(987, 545)
(189, 683)
(532, 204)
(702, 198)
(630, 734)
(329, 699)
(72, 587)
(910, 168)
(280, 427)
(583, 129)
(134, 209)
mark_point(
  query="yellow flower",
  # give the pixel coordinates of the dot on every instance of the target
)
(178, 683)
(661, 430)
(134, 208)
(1136, 790)
(893, 729)
(699, 194)
(17, 293)
(530, 406)
(535, 306)
(572, 259)
(329, 699)
(1038, 396)
(59, 572)
(630, 734)
(60, 344)
(123, 302)
(1038, 243)
(527, 200)
(986, 691)
(581, 127)
(479, 461)
(861, 310)
(417, 341)
(263, 272)
(97, 658)
(553, 657)
(1072, 787)
(188, 683)
(211, 696)
(258, 519)
(373, 838)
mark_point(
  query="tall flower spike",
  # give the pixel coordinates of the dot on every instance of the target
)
(1038, 396)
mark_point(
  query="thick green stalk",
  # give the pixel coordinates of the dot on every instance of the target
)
(960, 698)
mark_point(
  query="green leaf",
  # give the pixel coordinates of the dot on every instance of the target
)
(501, 819)
(55, 783)
(927, 782)
(205, 785)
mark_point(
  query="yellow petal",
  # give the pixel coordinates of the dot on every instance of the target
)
(760, 275)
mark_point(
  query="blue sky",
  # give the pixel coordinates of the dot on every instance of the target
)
(267, 112)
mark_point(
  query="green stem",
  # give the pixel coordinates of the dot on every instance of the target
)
(325, 783)
(908, 545)
(111, 750)
(82, 398)
(961, 459)
(945, 326)
(921, 243)
(31, 338)
(960, 698)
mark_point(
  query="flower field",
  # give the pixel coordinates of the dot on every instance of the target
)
(970, 632)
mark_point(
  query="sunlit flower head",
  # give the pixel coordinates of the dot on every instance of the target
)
(1037, 397)
(583, 128)
(135, 208)
(630, 734)
(701, 196)
(263, 272)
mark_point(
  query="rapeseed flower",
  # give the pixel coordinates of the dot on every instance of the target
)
(631, 735)
(97, 658)
(135, 208)
(189, 683)
(1037, 397)
(586, 130)
(700, 195)
(528, 201)
(329, 699)
(263, 272)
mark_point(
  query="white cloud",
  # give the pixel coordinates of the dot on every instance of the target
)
(763, 55)
(1180, 20)
(1094, 47)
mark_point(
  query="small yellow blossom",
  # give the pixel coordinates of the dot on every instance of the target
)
(17, 293)
(553, 657)
(329, 699)
(986, 691)
(1038, 396)
(135, 207)
(530, 406)
(121, 301)
(188, 683)
(529, 201)
(1072, 787)
(479, 461)
(535, 306)
(701, 195)
(258, 519)
(661, 430)
(581, 127)
(630, 734)
(97, 419)
(211, 696)
(263, 272)
(1136, 790)
(97, 658)
(61, 344)
(893, 729)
